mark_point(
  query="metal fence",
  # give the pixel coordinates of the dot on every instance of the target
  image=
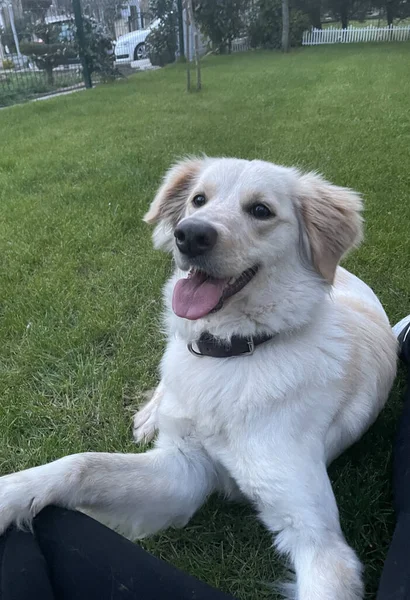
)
(38, 53)
(43, 42)
(130, 18)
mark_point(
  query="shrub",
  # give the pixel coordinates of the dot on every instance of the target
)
(50, 51)
(48, 56)
(220, 20)
(60, 46)
(299, 22)
(8, 64)
(161, 44)
(265, 29)
(99, 53)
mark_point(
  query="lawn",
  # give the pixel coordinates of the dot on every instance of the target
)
(80, 288)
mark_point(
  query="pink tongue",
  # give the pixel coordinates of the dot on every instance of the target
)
(196, 296)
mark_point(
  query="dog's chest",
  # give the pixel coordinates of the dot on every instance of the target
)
(204, 395)
(218, 400)
(214, 397)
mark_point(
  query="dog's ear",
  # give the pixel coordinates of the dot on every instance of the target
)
(168, 206)
(332, 220)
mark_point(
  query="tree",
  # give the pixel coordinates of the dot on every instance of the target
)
(187, 48)
(345, 10)
(285, 25)
(98, 49)
(190, 13)
(162, 9)
(48, 52)
(37, 8)
(181, 41)
(265, 27)
(161, 42)
(394, 9)
(220, 20)
(312, 8)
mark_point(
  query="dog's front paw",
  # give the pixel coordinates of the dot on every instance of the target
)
(145, 423)
(19, 502)
(146, 419)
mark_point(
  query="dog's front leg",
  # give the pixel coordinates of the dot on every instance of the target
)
(146, 419)
(139, 494)
(292, 492)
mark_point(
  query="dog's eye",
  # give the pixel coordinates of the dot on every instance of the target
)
(260, 211)
(199, 200)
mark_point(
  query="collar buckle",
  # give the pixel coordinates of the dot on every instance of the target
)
(251, 346)
(193, 351)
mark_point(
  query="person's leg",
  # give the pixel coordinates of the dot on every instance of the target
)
(75, 557)
(395, 579)
(23, 568)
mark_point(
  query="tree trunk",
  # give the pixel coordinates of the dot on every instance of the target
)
(187, 48)
(344, 14)
(50, 75)
(181, 29)
(196, 46)
(285, 25)
(389, 13)
(316, 17)
(79, 24)
(198, 64)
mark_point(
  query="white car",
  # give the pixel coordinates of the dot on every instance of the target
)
(131, 46)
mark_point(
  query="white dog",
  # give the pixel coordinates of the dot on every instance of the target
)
(277, 360)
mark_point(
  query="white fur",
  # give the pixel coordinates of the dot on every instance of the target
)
(263, 427)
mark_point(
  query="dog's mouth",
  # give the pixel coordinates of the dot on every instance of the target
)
(200, 294)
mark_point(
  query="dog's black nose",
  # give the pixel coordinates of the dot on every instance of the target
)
(194, 238)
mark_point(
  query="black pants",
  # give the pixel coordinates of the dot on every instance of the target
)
(72, 557)
(395, 580)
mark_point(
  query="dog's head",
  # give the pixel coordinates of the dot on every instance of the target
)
(230, 222)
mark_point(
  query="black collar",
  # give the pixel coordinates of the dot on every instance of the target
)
(209, 345)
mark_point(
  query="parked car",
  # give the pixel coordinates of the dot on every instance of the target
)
(131, 46)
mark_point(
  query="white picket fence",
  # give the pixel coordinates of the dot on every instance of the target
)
(240, 45)
(334, 35)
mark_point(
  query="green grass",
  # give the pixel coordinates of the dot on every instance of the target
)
(80, 284)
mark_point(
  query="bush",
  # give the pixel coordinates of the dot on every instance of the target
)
(99, 53)
(161, 43)
(8, 64)
(220, 20)
(265, 29)
(48, 56)
(50, 52)
(58, 48)
(299, 22)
